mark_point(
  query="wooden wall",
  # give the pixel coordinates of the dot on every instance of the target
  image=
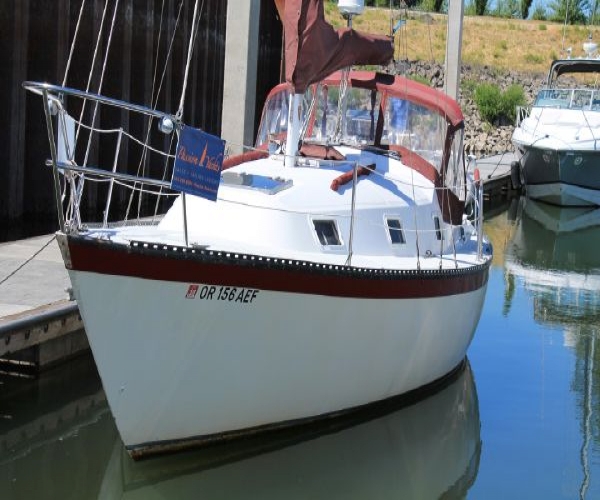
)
(35, 42)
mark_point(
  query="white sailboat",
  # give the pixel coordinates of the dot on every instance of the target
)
(332, 266)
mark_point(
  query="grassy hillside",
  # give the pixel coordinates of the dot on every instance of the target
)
(527, 46)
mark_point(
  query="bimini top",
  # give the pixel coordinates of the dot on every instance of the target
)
(391, 113)
(564, 66)
(398, 87)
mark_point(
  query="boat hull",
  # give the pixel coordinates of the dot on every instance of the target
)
(186, 362)
(561, 177)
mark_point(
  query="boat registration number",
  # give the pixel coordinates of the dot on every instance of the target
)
(224, 293)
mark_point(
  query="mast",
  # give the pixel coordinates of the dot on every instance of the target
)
(294, 124)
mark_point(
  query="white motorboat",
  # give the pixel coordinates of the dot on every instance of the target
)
(332, 266)
(558, 139)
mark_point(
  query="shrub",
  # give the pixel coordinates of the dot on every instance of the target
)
(488, 99)
(496, 105)
(468, 86)
(513, 96)
(533, 58)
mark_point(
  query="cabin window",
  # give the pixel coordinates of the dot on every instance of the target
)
(455, 178)
(438, 229)
(414, 127)
(396, 232)
(362, 113)
(327, 232)
(274, 118)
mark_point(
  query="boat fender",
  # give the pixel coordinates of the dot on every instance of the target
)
(255, 154)
(346, 177)
(515, 175)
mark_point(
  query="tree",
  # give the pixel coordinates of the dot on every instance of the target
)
(507, 9)
(569, 11)
(595, 13)
(539, 13)
(480, 7)
(525, 6)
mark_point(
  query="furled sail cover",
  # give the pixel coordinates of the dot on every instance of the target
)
(314, 49)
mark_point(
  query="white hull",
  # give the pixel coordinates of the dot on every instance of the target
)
(177, 369)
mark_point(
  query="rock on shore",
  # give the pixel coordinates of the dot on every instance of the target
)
(481, 138)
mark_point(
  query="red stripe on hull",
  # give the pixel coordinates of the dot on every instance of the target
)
(212, 268)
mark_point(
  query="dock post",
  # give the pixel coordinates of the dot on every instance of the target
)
(453, 48)
(239, 85)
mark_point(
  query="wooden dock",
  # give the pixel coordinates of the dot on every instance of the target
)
(40, 324)
(495, 172)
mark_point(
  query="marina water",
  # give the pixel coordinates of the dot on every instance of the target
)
(520, 420)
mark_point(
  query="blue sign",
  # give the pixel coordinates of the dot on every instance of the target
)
(198, 163)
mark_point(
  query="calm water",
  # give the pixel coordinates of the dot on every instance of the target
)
(522, 419)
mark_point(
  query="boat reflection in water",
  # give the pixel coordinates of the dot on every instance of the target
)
(426, 450)
(56, 433)
(556, 253)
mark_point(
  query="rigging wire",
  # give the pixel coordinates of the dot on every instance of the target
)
(79, 192)
(75, 194)
(195, 24)
(197, 14)
(154, 98)
(72, 49)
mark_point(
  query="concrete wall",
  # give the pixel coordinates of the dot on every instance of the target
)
(239, 84)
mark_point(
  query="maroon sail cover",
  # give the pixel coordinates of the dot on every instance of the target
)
(314, 49)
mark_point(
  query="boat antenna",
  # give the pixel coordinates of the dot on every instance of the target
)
(565, 26)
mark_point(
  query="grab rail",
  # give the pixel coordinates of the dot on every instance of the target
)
(110, 174)
(41, 88)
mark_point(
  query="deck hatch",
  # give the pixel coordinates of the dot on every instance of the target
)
(266, 184)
